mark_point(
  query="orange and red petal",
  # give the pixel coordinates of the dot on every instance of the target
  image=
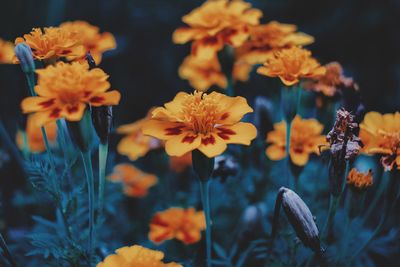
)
(163, 130)
(212, 145)
(239, 133)
(37, 103)
(207, 47)
(73, 113)
(182, 144)
(110, 98)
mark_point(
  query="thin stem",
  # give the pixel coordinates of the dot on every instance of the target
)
(347, 224)
(230, 89)
(87, 163)
(6, 251)
(288, 133)
(30, 78)
(103, 151)
(11, 146)
(377, 196)
(205, 198)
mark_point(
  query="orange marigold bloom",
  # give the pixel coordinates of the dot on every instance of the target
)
(180, 164)
(183, 224)
(136, 183)
(358, 180)
(291, 65)
(216, 23)
(136, 256)
(381, 135)
(34, 136)
(202, 74)
(329, 83)
(64, 90)
(207, 122)
(53, 43)
(305, 138)
(90, 37)
(135, 144)
(6, 52)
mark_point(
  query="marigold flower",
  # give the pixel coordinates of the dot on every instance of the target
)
(90, 37)
(6, 52)
(135, 144)
(207, 122)
(268, 38)
(136, 256)
(291, 65)
(380, 134)
(34, 136)
(64, 90)
(202, 74)
(329, 83)
(358, 180)
(180, 164)
(136, 183)
(53, 43)
(183, 224)
(216, 23)
(305, 138)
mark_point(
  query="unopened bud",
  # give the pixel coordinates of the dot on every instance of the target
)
(263, 109)
(299, 216)
(102, 122)
(25, 57)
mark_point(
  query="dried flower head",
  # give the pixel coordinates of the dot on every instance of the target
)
(136, 256)
(331, 82)
(6, 52)
(207, 122)
(136, 183)
(202, 74)
(53, 43)
(305, 139)
(64, 91)
(216, 23)
(380, 134)
(90, 37)
(291, 65)
(183, 224)
(359, 181)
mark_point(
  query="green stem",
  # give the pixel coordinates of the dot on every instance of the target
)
(288, 133)
(11, 146)
(87, 163)
(230, 89)
(346, 233)
(205, 198)
(382, 185)
(6, 251)
(103, 151)
(30, 78)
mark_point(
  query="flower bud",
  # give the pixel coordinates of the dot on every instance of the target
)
(263, 110)
(102, 122)
(299, 216)
(25, 57)
(224, 167)
(289, 101)
(202, 165)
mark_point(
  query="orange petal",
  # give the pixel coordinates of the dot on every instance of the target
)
(37, 103)
(74, 113)
(105, 99)
(239, 133)
(275, 152)
(212, 145)
(163, 130)
(181, 144)
(207, 47)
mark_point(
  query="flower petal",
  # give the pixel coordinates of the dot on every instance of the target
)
(239, 133)
(207, 47)
(275, 152)
(163, 130)
(73, 113)
(181, 144)
(234, 108)
(105, 99)
(212, 145)
(37, 103)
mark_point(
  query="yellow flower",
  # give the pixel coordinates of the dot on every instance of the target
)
(34, 136)
(358, 180)
(136, 183)
(6, 52)
(183, 224)
(329, 83)
(291, 65)
(180, 164)
(64, 90)
(202, 74)
(135, 144)
(90, 37)
(381, 135)
(305, 139)
(53, 43)
(268, 38)
(207, 122)
(136, 256)
(216, 23)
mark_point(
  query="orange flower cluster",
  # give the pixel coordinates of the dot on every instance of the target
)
(216, 23)
(6, 52)
(183, 224)
(90, 37)
(135, 144)
(291, 65)
(136, 183)
(305, 139)
(136, 256)
(380, 134)
(207, 122)
(34, 138)
(64, 91)
(358, 180)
